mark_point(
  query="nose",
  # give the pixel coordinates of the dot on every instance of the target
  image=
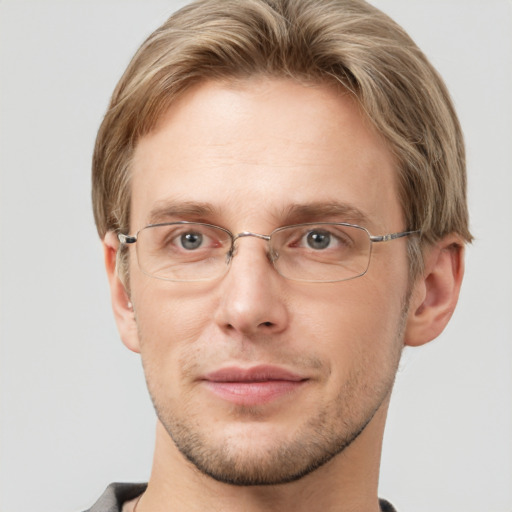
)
(252, 298)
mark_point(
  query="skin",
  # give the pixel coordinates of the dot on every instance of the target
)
(250, 152)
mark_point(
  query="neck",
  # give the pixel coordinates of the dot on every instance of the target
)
(348, 482)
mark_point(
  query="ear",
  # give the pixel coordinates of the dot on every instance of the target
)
(436, 292)
(121, 304)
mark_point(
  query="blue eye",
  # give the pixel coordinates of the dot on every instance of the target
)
(191, 240)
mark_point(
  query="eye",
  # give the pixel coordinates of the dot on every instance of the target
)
(183, 240)
(318, 239)
(191, 240)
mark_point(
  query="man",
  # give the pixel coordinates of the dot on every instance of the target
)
(280, 190)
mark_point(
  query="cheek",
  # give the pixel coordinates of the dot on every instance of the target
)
(170, 322)
(170, 317)
(354, 325)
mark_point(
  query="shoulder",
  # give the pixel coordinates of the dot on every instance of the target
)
(385, 506)
(115, 495)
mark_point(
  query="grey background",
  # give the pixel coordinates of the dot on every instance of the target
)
(74, 410)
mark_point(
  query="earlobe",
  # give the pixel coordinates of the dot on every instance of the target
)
(436, 292)
(121, 303)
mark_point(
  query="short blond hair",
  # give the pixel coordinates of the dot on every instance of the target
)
(344, 41)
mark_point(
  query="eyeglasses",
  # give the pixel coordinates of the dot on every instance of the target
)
(312, 252)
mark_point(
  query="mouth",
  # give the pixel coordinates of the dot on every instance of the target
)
(253, 386)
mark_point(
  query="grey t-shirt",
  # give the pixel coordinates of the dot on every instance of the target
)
(116, 494)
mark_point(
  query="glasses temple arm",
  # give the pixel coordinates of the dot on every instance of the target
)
(126, 239)
(393, 236)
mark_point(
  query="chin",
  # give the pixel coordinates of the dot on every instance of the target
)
(262, 453)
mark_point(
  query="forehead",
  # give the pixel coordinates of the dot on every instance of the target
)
(261, 148)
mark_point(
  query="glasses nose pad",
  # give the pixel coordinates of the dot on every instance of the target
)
(273, 255)
(230, 254)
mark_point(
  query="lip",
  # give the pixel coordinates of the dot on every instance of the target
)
(253, 386)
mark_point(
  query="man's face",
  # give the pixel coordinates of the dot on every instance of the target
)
(260, 379)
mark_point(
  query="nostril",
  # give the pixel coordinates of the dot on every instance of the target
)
(267, 324)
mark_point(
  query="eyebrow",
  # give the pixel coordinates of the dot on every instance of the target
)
(166, 210)
(318, 211)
